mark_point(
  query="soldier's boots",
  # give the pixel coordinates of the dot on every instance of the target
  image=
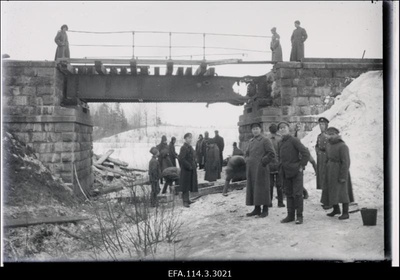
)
(281, 204)
(264, 212)
(299, 220)
(289, 218)
(345, 214)
(186, 204)
(255, 212)
(336, 211)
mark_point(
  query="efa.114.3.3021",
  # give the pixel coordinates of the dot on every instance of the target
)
(199, 273)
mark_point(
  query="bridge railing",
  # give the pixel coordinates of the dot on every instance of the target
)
(174, 51)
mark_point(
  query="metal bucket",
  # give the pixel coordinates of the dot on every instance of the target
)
(369, 216)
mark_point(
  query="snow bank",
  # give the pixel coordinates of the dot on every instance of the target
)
(133, 146)
(358, 114)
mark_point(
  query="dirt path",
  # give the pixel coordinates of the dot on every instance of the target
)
(217, 228)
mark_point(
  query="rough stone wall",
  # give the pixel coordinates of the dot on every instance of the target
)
(301, 90)
(61, 137)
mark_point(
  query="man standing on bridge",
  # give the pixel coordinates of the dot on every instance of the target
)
(275, 46)
(298, 38)
(61, 40)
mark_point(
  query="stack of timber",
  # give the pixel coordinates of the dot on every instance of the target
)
(108, 171)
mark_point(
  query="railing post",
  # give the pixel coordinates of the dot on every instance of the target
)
(170, 41)
(204, 46)
(133, 45)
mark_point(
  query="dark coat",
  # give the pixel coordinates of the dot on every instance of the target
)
(204, 147)
(292, 155)
(298, 37)
(275, 139)
(164, 157)
(172, 154)
(187, 161)
(276, 48)
(320, 150)
(337, 169)
(258, 155)
(237, 152)
(154, 175)
(61, 40)
(236, 169)
(213, 164)
(221, 145)
(199, 152)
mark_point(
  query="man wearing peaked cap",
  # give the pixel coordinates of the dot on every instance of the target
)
(322, 119)
(338, 187)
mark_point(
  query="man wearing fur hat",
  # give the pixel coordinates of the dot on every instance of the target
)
(293, 157)
(338, 187)
(258, 155)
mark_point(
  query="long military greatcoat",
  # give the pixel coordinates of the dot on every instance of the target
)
(276, 48)
(258, 155)
(337, 169)
(187, 162)
(61, 40)
(213, 164)
(320, 150)
(298, 37)
(164, 157)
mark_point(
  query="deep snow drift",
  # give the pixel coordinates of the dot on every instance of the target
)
(358, 114)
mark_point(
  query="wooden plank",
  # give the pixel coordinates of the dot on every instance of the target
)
(113, 160)
(189, 71)
(113, 71)
(201, 70)
(124, 71)
(132, 169)
(219, 188)
(133, 65)
(108, 164)
(210, 72)
(100, 68)
(112, 170)
(179, 71)
(170, 68)
(102, 173)
(43, 220)
(104, 157)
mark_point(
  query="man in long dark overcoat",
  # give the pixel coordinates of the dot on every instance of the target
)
(213, 165)
(299, 36)
(61, 40)
(188, 176)
(293, 157)
(199, 152)
(259, 154)
(221, 145)
(172, 152)
(338, 187)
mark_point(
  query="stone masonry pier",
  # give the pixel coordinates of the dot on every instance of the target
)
(298, 91)
(61, 137)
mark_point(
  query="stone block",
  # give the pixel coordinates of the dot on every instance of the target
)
(53, 136)
(287, 100)
(46, 72)
(47, 110)
(67, 157)
(50, 157)
(86, 146)
(286, 82)
(348, 73)
(67, 166)
(49, 100)
(67, 176)
(39, 137)
(288, 110)
(65, 127)
(45, 90)
(22, 136)
(306, 91)
(18, 100)
(314, 65)
(288, 91)
(286, 73)
(55, 167)
(301, 101)
(323, 91)
(297, 82)
(316, 101)
(69, 136)
(28, 90)
(39, 81)
(287, 64)
(305, 110)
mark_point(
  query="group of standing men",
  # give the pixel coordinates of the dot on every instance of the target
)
(285, 157)
(209, 155)
(299, 36)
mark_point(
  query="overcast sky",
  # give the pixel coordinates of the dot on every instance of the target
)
(335, 29)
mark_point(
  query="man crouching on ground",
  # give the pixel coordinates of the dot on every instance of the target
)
(293, 157)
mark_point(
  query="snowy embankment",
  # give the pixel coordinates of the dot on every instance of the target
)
(358, 114)
(133, 146)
